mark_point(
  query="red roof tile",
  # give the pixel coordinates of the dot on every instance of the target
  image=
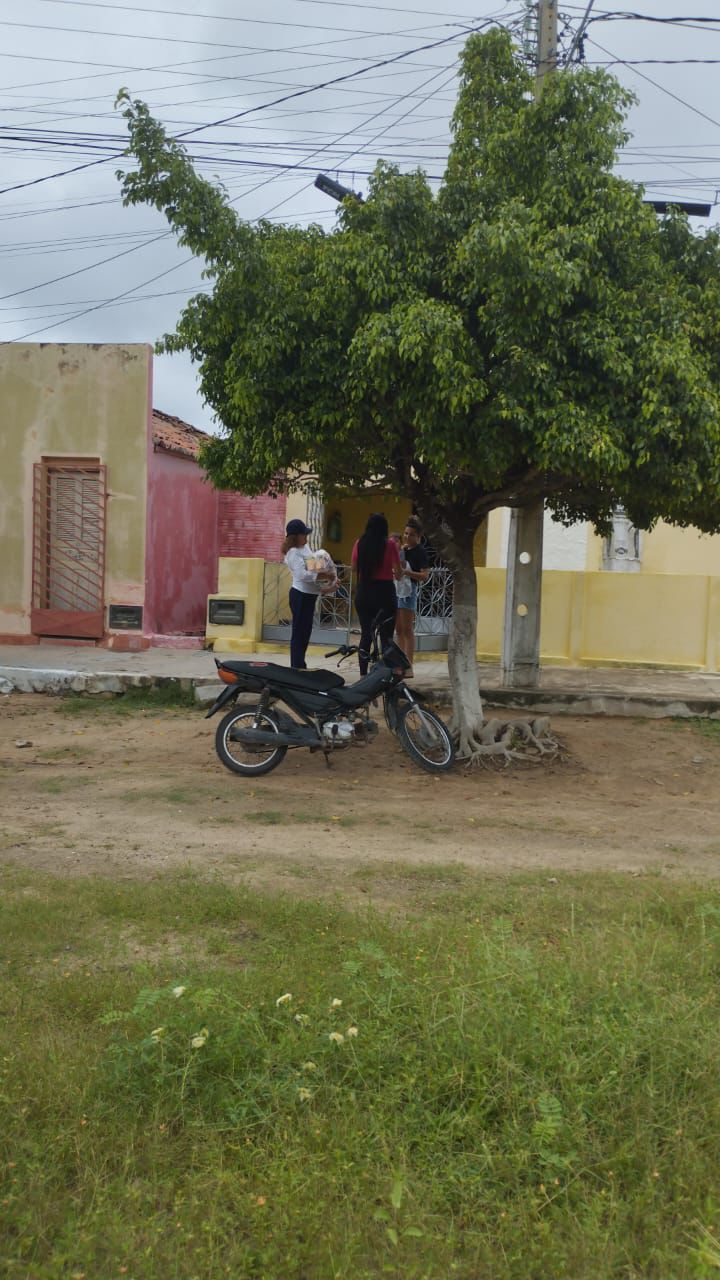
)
(176, 436)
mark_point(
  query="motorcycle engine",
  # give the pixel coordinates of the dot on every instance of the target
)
(338, 730)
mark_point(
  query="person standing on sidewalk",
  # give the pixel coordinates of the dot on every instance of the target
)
(415, 570)
(377, 560)
(305, 589)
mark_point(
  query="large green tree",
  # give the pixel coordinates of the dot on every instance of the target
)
(530, 330)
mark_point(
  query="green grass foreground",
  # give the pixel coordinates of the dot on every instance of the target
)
(522, 1080)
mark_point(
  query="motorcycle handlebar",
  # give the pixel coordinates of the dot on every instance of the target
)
(345, 649)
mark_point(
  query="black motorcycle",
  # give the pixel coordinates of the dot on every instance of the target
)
(323, 713)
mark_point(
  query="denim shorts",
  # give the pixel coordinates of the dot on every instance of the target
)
(409, 602)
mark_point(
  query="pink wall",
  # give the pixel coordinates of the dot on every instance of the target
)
(182, 545)
(251, 526)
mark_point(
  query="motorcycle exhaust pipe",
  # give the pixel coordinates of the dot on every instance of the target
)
(264, 738)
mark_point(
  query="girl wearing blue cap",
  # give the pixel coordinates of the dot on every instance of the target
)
(305, 589)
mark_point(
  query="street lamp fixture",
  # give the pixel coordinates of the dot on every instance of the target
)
(335, 189)
(687, 206)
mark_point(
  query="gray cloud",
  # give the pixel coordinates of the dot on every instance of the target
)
(63, 63)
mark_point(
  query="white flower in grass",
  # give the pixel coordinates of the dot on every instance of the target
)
(336, 1004)
(157, 1034)
(283, 999)
(351, 1031)
(337, 1037)
(178, 992)
(309, 1066)
(302, 1019)
(200, 1039)
(304, 1095)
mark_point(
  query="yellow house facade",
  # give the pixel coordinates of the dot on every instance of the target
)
(664, 611)
(73, 419)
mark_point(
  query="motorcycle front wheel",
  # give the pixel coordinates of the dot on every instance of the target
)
(425, 738)
(240, 757)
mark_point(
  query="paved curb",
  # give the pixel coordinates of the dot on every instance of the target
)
(29, 680)
(585, 702)
(577, 702)
(588, 702)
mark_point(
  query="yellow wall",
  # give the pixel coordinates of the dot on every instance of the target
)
(240, 578)
(296, 507)
(670, 550)
(665, 549)
(600, 619)
(73, 400)
(588, 619)
(354, 513)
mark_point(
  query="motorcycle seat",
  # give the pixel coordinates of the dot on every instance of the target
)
(367, 687)
(272, 672)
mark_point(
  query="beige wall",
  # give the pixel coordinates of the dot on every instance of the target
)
(241, 578)
(670, 550)
(601, 619)
(666, 549)
(73, 400)
(354, 514)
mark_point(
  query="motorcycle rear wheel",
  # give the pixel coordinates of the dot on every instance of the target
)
(425, 738)
(239, 757)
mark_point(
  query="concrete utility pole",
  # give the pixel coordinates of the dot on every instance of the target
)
(523, 589)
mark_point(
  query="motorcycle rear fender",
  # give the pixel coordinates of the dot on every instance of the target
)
(229, 694)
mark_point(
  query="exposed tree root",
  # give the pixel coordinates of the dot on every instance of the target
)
(494, 744)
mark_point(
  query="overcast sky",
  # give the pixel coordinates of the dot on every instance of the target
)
(77, 267)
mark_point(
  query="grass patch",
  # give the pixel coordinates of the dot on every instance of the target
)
(709, 729)
(175, 695)
(275, 818)
(66, 782)
(71, 755)
(532, 1092)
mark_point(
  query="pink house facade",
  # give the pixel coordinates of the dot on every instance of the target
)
(182, 532)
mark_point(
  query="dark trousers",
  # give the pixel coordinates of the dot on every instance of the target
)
(302, 607)
(375, 598)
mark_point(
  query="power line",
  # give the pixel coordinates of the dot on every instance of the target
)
(134, 248)
(351, 75)
(298, 93)
(61, 173)
(217, 17)
(578, 38)
(619, 15)
(656, 85)
(650, 62)
(348, 33)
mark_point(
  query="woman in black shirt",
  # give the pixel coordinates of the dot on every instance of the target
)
(415, 572)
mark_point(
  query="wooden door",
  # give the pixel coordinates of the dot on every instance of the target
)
(69, 551)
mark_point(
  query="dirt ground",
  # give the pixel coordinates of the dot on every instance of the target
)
(135, 794)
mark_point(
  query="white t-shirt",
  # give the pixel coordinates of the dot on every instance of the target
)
(302, 580)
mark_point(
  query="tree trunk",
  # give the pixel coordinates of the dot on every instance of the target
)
(467, 717)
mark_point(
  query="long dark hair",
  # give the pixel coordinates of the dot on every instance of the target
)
(291, 540)
(371, 547)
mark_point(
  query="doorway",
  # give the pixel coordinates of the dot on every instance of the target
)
(69, 549)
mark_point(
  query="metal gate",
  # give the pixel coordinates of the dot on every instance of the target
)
(434, 612)
(335, 617)
(68, 579)
(333, 614)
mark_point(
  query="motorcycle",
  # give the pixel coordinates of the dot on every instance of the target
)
(327, 714)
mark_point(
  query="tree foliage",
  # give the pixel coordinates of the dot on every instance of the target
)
(531, 329)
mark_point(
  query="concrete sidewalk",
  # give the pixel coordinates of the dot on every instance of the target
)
(625, 691)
